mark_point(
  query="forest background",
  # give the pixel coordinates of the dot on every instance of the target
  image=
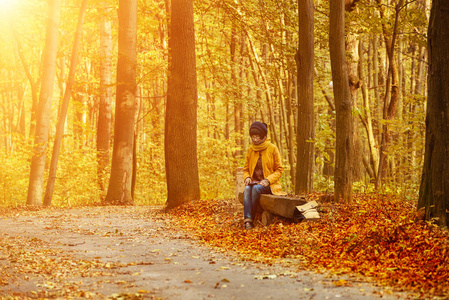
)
(246, 71)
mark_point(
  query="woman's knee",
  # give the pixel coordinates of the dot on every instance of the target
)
(247, 189)
(257, 189)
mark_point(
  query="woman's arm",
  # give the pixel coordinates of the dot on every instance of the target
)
(246, 173)
(277, 167)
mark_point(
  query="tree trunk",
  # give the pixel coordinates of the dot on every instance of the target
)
(137, 122)
(420, 75)
(238, 129)
(227, 122)
(43, 112)
(400, 172)
(376, 71)
(306, 116)
(434, 193)
(390, 102)
(181, 162)
(240, 110)
(344, 121)
(79, 99)
(352, 46)
(413, 69)
(266, 87)
(328, 166)
(104, 109)
(21, 121)
(120, 182)
(235, 93)
(367, 119)
(291, 126)
(34, 84)
(64, 107)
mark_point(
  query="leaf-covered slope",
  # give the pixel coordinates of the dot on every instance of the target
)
(376, 236)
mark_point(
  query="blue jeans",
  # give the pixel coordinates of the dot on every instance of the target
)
(251, 197)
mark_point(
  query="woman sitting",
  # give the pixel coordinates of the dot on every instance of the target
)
(262, 170)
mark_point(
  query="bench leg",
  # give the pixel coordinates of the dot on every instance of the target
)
(266, 218)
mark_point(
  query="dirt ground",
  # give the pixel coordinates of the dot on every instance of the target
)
(135, 253)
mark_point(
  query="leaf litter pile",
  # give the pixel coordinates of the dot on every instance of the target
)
(379, 237)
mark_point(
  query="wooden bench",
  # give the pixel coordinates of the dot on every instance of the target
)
(279, 205)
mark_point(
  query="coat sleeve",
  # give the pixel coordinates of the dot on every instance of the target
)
(246, 173)
(278, 169)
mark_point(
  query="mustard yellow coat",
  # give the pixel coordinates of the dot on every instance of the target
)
(271, 164)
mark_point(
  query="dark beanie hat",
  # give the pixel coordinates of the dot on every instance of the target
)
(258, 128)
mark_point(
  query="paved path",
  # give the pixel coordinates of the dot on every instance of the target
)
(132, 253)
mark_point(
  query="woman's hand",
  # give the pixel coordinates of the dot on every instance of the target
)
(264, 182)
(247, 181)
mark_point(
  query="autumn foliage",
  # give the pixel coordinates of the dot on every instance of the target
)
(379, 237)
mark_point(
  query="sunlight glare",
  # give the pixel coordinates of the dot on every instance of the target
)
(7, 5)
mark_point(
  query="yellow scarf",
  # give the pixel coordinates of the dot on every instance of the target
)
(260, 147)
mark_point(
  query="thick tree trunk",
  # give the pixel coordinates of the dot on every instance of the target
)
(43, 112)
(64, 107)
(344, 118)
(434, 193)
(181, 161)
(120, 182)
(352, 45)
(305, 155)
(104, 109)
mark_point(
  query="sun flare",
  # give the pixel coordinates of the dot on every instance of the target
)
(7, 5)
